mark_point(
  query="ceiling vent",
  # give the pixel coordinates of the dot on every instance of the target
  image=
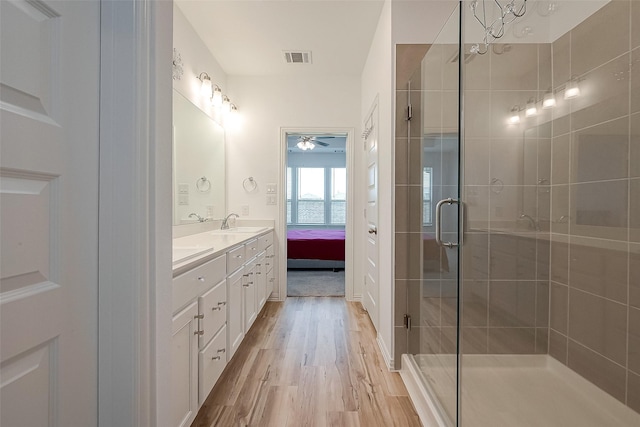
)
(297, 57)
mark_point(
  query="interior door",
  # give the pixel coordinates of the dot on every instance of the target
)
(49, 98)
(371, 291)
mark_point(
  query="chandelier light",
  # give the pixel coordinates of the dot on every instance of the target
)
(505, 12)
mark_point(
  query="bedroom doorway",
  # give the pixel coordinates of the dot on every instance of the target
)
(317, 212)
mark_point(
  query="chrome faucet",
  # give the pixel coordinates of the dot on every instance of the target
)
(200, 219)
(225, 222)
(533, 225)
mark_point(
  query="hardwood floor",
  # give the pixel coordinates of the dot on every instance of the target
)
(309, 362)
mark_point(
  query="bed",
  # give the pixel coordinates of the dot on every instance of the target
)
(315, 248)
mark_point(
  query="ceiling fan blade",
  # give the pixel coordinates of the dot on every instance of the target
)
(324, 144)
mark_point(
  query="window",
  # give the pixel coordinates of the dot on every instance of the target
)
(316, 195)
(426, 195)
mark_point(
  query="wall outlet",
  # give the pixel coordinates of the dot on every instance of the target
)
(271, 199)
(183, 188)
(245, 210)
(272, 188)
(183, 199)
(209, 211)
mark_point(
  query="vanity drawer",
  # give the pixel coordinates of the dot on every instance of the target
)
(269, 259)
(252, 248)
(235, 258)
(193, 283)
(212, 307)
(212, 360)
(265, 240)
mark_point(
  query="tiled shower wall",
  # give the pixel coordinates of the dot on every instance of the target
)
(595, 217)
(566, 281)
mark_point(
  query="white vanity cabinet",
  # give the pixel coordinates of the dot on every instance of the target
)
(235, 328)
(184, 366)
(215, 304)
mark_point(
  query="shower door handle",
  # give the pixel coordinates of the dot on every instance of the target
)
(442, 202)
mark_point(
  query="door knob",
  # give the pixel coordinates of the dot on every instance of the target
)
(373, 230)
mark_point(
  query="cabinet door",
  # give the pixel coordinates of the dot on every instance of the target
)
(212, 307)
(249, 295)
(184, 366)
(270, 281)
(234, 312)
(261, 282)
(213, 359)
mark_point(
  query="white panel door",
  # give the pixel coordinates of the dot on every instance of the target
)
(49, 98)
(371, 285)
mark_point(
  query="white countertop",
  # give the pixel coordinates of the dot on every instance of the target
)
(191, 251)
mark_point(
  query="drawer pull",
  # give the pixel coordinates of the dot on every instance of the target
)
(215, 358)
(245, 275)
(199, 316)
(238, 256)
(257, 272)
(258, 265)
(247, 285)
(272, 279)
(222, 303)
(199, 333)
(201, 278)
(216, 308)
(222, 350)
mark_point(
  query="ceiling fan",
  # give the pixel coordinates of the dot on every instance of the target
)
(309, 142)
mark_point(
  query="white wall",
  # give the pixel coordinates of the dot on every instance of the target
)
(196, 58)
(377, 80)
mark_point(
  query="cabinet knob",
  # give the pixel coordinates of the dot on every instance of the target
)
(199, 333)
(201, 278)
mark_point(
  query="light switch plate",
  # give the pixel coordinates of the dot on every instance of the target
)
(245, 210)
(183, 188)
(272, 188)
(183, 199)
(271, 199)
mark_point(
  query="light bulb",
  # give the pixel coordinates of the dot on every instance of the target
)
(226, 104)
(514, 115)
(549, 100)
(205, 87)
(216, 99)
(571, 90)
(531, 110)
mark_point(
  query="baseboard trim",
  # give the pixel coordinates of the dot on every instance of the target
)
(388, 360)
(419, 395)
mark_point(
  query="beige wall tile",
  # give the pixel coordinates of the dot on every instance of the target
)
(561, 159)
(634, 275)
(408, 208)
(545, 72)
(634, 340)
(400, 301)
(415, 161)
(514, 68)
(449, 67)
(402, 161)
(560, 262)
(477, 153)
(558, 307)
(402, 124)
(601, 152)
(635, 81)
(633, 391)
(542, 304)
(596, 41)
(477, 118)
(635, 24)
(431, 110)
(432, 68)
(603, 94)
(475, 258)
(476, 71)
(634, 213)
(477, 207)
(598, 270)
(561, 60)
(560, 209)
(408, 60)
(475, 300)
(542, 340)
(599, 324)
(602, 372)
(634, 158)
(512, 340)
(543, 252)
(599, 209)
(558, 346)
(512, 303)
(474, 340)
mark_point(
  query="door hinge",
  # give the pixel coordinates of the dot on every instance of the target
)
(407, 321)
(409, 112)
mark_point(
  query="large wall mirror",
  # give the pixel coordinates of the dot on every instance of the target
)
(198, 164)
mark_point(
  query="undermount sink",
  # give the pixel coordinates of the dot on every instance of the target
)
(184, 253)
(241, 230)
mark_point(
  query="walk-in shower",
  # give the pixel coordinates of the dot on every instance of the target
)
(534, 318)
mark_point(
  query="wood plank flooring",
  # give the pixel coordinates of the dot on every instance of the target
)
(310, 361)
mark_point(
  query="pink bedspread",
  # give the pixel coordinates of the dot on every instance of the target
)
(315, 244)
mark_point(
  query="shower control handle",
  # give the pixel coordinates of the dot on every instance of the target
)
(441, 203)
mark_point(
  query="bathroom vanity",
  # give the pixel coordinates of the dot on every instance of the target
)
(221, 281)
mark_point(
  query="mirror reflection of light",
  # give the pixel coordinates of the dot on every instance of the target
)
(514, 116)
(571, 90)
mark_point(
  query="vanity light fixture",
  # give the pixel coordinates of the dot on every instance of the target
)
(514, 115)
(205, 87)
(226, 104)
(304, 143)
(216, 98)
(531, 109)
(549, 100)
(571, 89)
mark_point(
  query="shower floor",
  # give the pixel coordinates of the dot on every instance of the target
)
(522, 391)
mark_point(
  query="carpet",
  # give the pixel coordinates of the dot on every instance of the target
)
(315, 283)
